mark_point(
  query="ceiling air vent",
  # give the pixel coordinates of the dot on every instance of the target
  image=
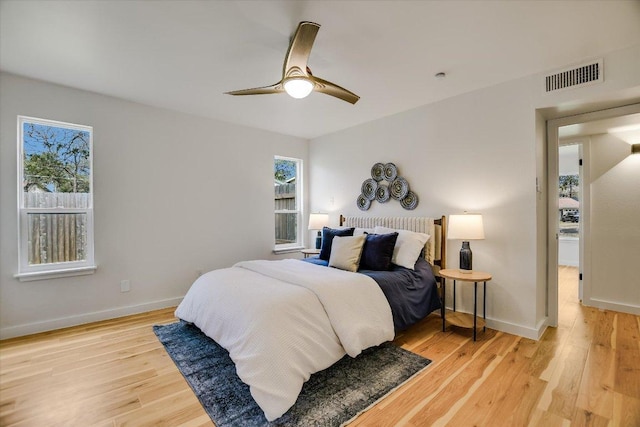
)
(577, 76)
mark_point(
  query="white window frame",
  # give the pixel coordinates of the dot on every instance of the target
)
(28, 272)
(298, 244)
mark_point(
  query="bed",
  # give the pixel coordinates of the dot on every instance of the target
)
(282, 321)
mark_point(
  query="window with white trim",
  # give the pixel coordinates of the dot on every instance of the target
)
(288, 203)
(55, 199)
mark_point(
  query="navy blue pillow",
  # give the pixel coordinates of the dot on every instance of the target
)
(378, 251)
(327, 238)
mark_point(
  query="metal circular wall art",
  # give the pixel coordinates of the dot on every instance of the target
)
(390, 172)
(382, 193)
(363, 203)
(369, 187)
(396, 187)
(377, 172)
(410, 201)
(399, 188)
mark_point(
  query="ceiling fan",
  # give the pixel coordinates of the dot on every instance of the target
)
(297, 79)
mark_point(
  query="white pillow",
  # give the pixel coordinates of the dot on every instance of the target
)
(360, 231)
(346, 252)
(408, 246)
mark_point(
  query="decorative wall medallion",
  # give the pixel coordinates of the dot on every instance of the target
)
(399, 188)
(410, 201)
(390, 172)
(396, 187)
(369, 187)
(377, 172)
(382, 193)
(363, 203)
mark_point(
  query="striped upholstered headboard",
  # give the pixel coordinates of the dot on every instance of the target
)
(435, 249)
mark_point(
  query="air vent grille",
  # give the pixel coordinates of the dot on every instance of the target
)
(582, 75)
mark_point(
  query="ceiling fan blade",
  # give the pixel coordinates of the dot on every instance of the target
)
(295, 62)
(295, 65)
(265, 90)
(333, 89)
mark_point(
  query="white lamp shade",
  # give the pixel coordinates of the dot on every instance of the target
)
(465, 227)
(318, 220)
(298, 88)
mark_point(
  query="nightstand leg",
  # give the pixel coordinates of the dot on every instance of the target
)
(475, 308)
(454, 294)
(444, 297)
(484, 306)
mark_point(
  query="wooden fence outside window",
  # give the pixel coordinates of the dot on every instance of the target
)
(286, 223)
(56, 237)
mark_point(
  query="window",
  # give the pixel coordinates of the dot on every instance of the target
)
(288, 203)
(55, 202)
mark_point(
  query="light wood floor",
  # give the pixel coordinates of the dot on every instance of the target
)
(586, 372)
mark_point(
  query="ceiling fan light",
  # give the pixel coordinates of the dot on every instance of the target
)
(298, 88)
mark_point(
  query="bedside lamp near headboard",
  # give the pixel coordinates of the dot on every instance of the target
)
(316, 222)
(465, 227)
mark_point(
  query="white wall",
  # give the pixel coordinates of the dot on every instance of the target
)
(614, 225)
(475, 152)
(173, 194)
(480, 152)
(569, 251)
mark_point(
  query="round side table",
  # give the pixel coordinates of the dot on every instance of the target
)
(464, 320)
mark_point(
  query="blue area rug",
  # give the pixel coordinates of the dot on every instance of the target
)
(330, 397)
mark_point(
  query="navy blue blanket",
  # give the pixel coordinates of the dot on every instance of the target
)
(412, 295)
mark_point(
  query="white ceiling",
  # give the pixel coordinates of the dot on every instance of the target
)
(182, 55)
(625, 128)
(568, 156)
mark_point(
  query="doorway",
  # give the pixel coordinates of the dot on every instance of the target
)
(605, 283)
(570, 207)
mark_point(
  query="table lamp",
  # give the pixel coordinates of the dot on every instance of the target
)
(316, 222)
(465, 227)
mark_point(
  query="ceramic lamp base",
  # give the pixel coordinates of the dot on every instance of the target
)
(466, 257)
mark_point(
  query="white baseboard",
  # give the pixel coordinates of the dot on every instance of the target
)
(81, 319)
(613, 305)
(50, 325)
(514, 329)
(520, 330)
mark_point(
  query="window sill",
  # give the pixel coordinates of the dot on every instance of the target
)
(55, 274)
(288, 250)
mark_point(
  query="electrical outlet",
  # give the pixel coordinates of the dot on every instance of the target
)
(125, 286)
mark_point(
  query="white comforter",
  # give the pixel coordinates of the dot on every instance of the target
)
(281, 321)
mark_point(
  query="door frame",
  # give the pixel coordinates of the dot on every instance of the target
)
(552, 205)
